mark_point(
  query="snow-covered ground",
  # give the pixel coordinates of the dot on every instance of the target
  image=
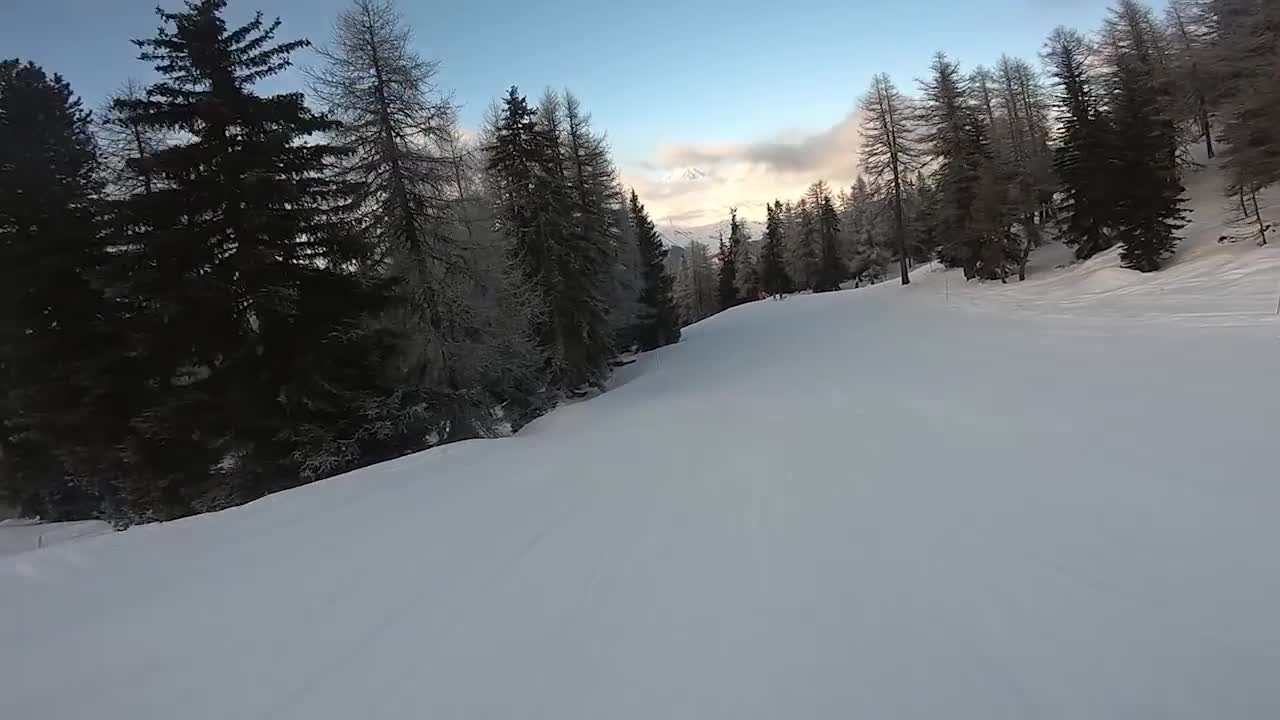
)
(1053, 500)
(1207, 283)
(19, 536)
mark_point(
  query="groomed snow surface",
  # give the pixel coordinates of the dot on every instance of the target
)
(1050, 500)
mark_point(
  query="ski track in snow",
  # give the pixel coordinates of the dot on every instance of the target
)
(1009, 503)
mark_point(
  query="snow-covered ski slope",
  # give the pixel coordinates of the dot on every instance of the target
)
(1016, 502)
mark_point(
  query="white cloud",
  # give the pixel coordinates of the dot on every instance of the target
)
(745, 175)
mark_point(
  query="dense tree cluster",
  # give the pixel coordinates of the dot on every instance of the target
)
(212, 294)
(1090, 148)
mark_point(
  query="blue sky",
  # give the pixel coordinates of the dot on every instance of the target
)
(662, 77)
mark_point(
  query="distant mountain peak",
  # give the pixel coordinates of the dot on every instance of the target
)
(708, 234)
(688, 174)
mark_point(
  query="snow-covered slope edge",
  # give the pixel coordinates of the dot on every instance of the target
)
(1207, 283)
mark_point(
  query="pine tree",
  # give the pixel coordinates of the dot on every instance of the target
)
(889, 154)
(1148, 191)
(726, 256)
(628, 282)
(59, 403)
(558, 203)
(249, 310)
(831, 270)
(971, 218)
(1148, 210)
(747, 276)
(595, 204)
(1083, 156)
(413, 203)
(659, 322)
(773, 272)
(863, 212)
(922, 202)
(803, 245)
(522, 186)
(696, 289)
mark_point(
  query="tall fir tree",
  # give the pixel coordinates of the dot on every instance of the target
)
(773, 271)
(249, 308)
(727, 256)
(971, 217)
(519, 174)
(1148, 212)
(831, 270)
(866, 244)
(659, 321)
(596, 204)
(745, 262)
(696, 284)
(59, 403)
(628, 282)
(803, 246)
(465, 350)
(557, 202)
(1084, 154)
(1148, 191)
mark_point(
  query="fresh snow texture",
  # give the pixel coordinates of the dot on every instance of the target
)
(19, 536)
(940, 501)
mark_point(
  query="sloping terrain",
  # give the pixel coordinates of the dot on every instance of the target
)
(942, 501)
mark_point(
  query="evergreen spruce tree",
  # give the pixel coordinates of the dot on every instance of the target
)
(803, 248)
(250, 313)
(773, 271)
(1148, 211)
(466, 351)
(1148, 191)
(557, 202)
(628, 282)
(596, 205)
(862, 222)
(659, 322)
(519, 175)
(922, 201)
(745, 262)
(1084, 154)
(696, 290)
(831, 270)
(727, 293)
(971, 217)
(59, 404)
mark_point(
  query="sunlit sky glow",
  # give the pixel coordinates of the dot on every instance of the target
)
(758, 97)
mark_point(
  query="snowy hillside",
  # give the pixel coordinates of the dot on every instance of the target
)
(1053, 499)
(19, 536)
(708, 235)
(1207, 282)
